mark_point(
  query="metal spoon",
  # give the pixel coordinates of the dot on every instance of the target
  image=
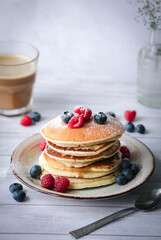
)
(146, 201)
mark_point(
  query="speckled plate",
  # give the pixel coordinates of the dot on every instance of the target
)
(27, 154)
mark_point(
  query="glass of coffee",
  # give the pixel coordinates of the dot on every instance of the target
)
(18, 66)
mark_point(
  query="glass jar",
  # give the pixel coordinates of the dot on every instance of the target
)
(149, 71)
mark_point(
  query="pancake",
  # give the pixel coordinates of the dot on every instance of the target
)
(81, 151)
(81, 183)
(91, 183)
(94, 170)
(80, 161)
(90, 133)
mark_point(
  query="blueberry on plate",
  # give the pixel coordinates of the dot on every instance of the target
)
(35, 116)
(100, 118)
(121, 180)
(66, 116)
(111, 114)
(19, 196)
(134, 167)
(15, 187)
(140, 129)
(35, 171)
(130, 127)
(125, 163)
(128, 174)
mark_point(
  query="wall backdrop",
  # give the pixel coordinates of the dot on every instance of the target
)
(78, 39)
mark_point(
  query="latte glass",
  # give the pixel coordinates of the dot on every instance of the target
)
(18, 67)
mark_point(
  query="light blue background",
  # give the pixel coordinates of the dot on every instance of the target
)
(78, 39)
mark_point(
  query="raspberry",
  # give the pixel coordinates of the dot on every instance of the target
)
(47, 181)
(83, 111)
(43, 144)
(125, 152)
(126, 155)
(75, 122)
(130, 115)
(124, 149)
(26, 121)
(61, 184)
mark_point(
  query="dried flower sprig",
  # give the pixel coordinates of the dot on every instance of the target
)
(149, 11)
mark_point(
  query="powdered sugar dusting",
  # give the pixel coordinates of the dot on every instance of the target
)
(112, 127)
(91, 128)
(57, 123)
(83, 108)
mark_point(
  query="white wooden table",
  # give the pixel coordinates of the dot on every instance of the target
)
(49, 217)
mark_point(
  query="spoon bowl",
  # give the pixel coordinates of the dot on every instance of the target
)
(148, 200)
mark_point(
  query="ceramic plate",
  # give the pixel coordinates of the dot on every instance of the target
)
(27, 154)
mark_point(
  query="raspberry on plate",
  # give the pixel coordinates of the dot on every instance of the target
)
(124, 149)
(130, 115)
(83, 111)
(43, 144)
(61, 184)
(126, 155)
(75, 122)
(125, 152)
(26, 121)
(47, 181)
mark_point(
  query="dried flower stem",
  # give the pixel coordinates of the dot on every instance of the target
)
(149, 11)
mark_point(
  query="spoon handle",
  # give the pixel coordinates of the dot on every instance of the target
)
(100, 223)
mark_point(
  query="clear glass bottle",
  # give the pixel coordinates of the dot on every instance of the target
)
(149, 71)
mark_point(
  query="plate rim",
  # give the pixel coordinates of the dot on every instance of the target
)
(57, 194)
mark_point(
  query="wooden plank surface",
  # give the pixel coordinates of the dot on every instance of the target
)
(49, 217)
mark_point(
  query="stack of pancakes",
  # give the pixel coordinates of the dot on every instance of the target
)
(88, 156)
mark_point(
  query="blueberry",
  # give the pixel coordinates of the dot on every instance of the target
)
(140, 129)
(35, 116)
(66, 116)
(15, 186)
(121, 180)
(125, 163)
(111, 114)
(128, 174)
(134, 167)
(35, 171)
(100, 118)
(19, 196)
(129, 127)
